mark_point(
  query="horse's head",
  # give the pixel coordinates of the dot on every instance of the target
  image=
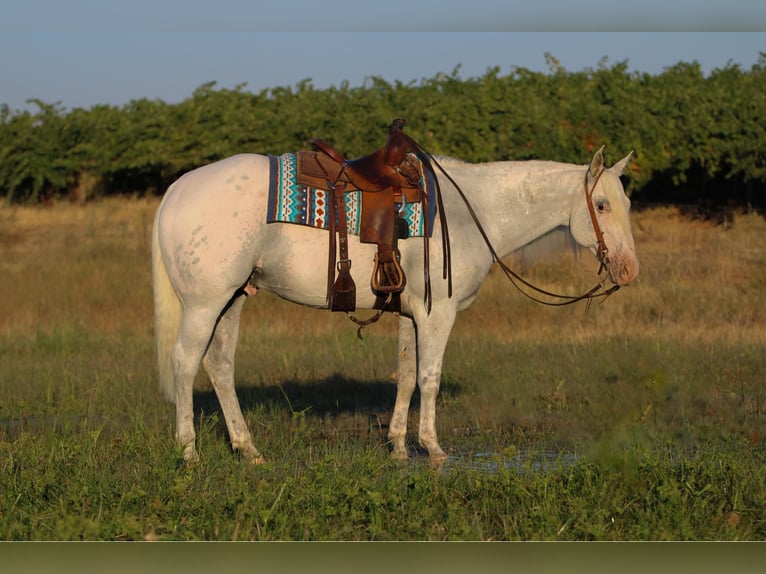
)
(600, 219)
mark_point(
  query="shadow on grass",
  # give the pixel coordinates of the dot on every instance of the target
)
(334, 398)
(332, 395)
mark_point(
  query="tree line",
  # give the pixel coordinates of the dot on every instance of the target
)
(698, 140)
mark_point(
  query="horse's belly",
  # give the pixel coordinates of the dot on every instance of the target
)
(293, 263)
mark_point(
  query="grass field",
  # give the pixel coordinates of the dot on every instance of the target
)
(641, 419)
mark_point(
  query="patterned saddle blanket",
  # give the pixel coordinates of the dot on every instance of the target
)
(291, 202)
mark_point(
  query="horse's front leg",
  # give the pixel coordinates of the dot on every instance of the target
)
(433, 332)
(421, 354)
(406, 380)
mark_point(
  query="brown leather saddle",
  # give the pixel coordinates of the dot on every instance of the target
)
(387, 178)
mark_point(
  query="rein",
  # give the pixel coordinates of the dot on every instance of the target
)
(515, 278)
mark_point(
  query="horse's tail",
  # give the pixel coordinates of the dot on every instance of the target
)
(167, 314)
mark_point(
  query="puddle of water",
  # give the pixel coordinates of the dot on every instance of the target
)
(537, 461)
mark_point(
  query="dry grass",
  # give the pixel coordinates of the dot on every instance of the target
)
(71, 266)
(698, 282)
(87, 270)
(89, 266)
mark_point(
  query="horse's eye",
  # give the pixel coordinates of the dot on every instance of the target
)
(603, 206)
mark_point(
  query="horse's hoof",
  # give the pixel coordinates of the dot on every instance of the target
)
(250, 454)
(191, 457)
(437, 460)
(399, 455)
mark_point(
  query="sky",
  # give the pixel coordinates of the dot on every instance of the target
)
(82, 53)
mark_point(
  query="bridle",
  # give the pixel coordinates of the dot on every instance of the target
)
(601, 249)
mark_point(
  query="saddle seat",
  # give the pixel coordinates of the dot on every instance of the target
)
(369, 173)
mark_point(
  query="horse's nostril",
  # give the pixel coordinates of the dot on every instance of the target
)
(628, 273)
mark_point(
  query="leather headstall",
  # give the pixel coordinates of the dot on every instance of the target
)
(601, 249)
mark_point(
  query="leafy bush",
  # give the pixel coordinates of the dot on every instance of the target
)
(697, 139)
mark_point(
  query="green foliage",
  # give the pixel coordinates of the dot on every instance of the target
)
(695, 138)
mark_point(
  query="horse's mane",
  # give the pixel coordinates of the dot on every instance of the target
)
(555, 243)
(447, 159)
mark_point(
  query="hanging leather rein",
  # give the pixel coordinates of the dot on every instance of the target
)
(601, 251)
(601, 248)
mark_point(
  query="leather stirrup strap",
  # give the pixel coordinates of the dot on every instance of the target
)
(344, 289)
(340, 208)
(332, 228)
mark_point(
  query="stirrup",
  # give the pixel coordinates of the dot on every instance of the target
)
(387, 277)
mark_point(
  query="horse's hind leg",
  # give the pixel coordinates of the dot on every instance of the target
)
(219, 364)
(197, 326)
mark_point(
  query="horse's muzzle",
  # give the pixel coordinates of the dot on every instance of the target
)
(623, 268)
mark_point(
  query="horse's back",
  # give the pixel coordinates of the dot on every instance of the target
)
(217, 188)
(227, 176)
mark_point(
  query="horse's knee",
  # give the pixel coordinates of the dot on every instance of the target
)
(217, 368)
(429, 386)
(218, 361)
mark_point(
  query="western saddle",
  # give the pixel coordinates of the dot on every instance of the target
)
(387, 178)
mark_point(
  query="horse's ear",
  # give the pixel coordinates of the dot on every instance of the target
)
(619, 167)
(597, 162)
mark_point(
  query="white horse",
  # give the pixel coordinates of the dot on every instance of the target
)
(211, 239)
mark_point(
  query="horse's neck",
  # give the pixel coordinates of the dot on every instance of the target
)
(518, 202)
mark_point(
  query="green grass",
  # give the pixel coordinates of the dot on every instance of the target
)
(87, 451)
(654, 401)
